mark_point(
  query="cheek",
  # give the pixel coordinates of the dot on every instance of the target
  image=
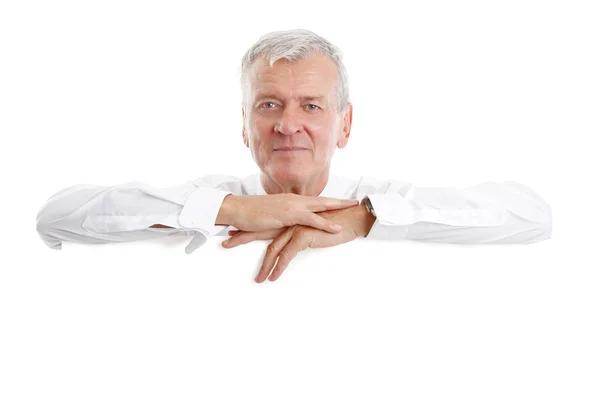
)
(261, 127)
(259, 137)
(324, 136)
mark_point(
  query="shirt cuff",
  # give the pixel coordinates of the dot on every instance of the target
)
(392, 209)
(382, 231)
(392, 213)
(201, 209)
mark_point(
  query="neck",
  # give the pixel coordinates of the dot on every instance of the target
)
(312, 188)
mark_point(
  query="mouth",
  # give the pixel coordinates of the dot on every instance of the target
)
(291, 149)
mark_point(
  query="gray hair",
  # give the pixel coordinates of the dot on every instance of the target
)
(294, 45)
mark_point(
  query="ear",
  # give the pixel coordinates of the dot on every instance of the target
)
(244, 133)
(346, 129)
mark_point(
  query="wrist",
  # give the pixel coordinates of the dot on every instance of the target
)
(364, 220)
(226, 214)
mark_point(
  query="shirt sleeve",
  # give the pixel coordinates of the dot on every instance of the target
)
(490, 212)
(97, 214)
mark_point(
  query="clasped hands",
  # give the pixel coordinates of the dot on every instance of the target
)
(294, 222)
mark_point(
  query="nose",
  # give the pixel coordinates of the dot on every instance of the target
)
(289, 122)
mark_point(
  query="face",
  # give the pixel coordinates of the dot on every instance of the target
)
(292, 124)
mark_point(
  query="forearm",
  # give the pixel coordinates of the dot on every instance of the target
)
(227, 211)
(357, 218)
(225, 216)
(96, 214)
(362, 220)
(491, 212)
(265, 212)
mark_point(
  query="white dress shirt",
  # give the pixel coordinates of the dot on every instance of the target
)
(490, 212)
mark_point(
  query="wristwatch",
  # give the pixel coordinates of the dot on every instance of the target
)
(368, 204)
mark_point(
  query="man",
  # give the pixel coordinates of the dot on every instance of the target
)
(295, 111)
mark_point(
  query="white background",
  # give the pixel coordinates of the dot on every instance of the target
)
(444, 93)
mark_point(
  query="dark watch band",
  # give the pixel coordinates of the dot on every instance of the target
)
(368, 204)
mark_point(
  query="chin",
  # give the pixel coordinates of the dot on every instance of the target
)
(288, 174)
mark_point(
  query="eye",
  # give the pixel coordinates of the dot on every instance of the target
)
(310, 107)
(267, 103)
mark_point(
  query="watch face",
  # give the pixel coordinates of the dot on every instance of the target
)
(367, 203)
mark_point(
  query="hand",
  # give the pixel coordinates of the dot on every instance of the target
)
(287, 243)
(266, 212)
(290, 241)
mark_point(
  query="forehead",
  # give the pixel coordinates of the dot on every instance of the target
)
(313, 75)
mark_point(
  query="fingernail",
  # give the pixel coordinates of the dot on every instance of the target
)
(336, 226)
(225, 242)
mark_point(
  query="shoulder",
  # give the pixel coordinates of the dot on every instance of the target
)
(220, 181)
(370, 185)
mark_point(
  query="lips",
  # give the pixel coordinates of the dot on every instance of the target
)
(293, 148)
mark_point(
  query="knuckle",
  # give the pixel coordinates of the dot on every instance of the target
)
(284, 255)
(303, 233)
(313, 218)
(300, 217)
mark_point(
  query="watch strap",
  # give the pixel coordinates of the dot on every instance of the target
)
(368, 204)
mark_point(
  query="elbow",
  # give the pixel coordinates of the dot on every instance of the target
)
(543, 228)
(534, 209)
(55, 217)
(547, 226)
(44, 230)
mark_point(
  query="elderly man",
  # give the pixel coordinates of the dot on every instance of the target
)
(296, 111)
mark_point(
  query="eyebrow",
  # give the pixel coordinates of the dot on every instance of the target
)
(313, 98)
(262, 95)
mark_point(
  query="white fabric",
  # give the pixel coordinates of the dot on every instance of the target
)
(490, 212)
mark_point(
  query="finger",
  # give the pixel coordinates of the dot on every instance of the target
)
(247, 237)
(233, 232)
(330, 203)
(316, 221)
(286, 255)
(272, 253)
(240, 238)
